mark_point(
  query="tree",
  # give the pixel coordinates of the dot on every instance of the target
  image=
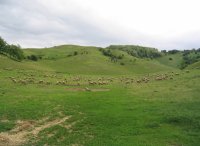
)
(12, 51)
(2, 45)
(15, 52)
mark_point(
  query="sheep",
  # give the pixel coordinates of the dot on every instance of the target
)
(14, 80)
(63, 82)
(48, 83)
(87, 89)
(58, 82)
(159, 78)
(22, 81)
(176, 73)
(92, 83)
(41, 81)
(100, 83)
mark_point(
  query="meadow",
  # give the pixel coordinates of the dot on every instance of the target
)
(88, 100)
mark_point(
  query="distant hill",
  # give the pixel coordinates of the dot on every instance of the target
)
(115, 59)
(85, 60)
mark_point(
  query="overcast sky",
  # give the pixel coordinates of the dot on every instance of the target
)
(164, 24)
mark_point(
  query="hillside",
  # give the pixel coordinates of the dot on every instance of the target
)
(90, 60)
(172, 60)
(195, 65)
(78, 95)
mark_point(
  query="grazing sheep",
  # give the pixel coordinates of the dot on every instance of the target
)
(63, 82)
(87, 89)
(91, 83)
(14, 80)
(159, 78)
(41, 81)
(176, 73)
(58, 82)
(22, 81)
(48, 83)
(100, 83)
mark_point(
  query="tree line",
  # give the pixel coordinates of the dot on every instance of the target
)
(138, 51)
(188, 56)
(12, 51)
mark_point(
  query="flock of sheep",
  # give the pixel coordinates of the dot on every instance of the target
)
(78, 81)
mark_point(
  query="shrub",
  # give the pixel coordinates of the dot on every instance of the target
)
(33, 57)
(122, 63)
(75, 53)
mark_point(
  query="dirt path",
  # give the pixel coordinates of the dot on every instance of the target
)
(20, 134)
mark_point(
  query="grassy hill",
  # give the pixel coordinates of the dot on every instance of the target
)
(89, 60)
(172, 60)
(77, 96)
(195, 65)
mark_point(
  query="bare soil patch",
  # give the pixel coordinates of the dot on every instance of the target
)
(88, 89)
(23, 129)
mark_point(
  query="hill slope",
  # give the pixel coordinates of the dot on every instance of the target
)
(195, 65)
(172, 60)
(89, 60)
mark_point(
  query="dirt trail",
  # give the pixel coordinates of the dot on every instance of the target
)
(20, 134)
(88, 89)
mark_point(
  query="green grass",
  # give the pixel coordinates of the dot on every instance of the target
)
(172, 60)
(93, 62)
(158, 113)
(195, 65)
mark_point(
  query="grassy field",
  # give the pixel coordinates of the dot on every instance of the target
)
(89, 100)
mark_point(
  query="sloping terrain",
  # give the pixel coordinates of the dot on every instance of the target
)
(89, 60)
(78, 96)
(172, 60)
(195, 65)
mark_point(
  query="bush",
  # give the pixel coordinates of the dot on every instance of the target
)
(122, 63)
(33, 57)
(75, 53)
(170, 58)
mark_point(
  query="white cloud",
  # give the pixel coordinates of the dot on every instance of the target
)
(165, 24)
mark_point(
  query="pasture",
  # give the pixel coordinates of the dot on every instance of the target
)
(49, 108)
(87, 100)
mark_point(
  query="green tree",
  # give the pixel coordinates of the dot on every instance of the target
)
(15, 52)
(3, 45)
(12, 51)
